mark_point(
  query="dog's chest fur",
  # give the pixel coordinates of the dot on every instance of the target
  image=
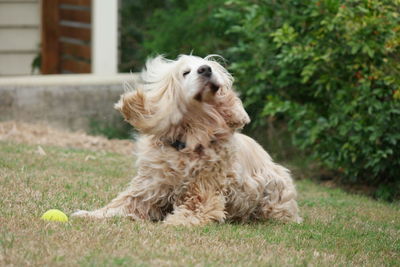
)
(171, 172)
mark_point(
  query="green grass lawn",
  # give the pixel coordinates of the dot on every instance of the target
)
(338, 229)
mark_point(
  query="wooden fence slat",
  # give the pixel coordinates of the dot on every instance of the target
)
(77, 2)
(83, 51)
(50, 35)
(75, 66)
(75, 32)
(58, 54)
(75, 15)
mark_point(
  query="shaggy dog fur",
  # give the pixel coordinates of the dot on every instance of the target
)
(193, 167)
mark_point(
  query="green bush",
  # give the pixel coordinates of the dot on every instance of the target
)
(169, 27)
(134, 15)
(184, 27)
(332, 70)
(111, 129)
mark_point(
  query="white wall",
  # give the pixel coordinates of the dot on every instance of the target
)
(19, 36)
(104, 36)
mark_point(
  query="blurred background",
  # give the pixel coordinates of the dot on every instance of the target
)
(320, 78)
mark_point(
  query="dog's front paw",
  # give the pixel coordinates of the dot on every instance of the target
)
(179, 220)
(297, 219)
(80, 213)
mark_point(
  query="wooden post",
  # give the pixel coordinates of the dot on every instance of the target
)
(50, 37)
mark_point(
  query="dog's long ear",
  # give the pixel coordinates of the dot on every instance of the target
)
(159, 106)
(231, 108)
(135, 109)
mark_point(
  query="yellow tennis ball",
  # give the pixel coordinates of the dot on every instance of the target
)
(55, 216)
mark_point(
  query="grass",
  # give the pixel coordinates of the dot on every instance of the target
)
(339, 229)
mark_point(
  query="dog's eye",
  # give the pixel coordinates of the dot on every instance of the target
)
(186, 73)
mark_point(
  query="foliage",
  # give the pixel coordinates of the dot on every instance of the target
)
(183, 27)
(111, 130)
(170, 27)
(331, 69)
(134, 15)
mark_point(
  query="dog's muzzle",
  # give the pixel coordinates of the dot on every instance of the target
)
(207, 91)
(210, 86)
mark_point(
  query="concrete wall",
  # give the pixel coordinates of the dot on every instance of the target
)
(19, 35)
(64, 101)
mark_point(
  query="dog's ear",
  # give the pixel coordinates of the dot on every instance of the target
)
(135, 109)
(146, 107)
(231, 108)
(151, 112)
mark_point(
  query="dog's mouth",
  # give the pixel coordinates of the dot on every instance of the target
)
(209, 89)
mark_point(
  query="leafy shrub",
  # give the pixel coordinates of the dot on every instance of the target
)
(118, 129)
(134, 15)
(169, 27)
(332, 70)
(185, 26)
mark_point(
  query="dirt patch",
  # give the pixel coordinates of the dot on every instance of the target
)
(41, 134)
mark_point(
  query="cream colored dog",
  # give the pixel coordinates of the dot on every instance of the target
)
(193, 168)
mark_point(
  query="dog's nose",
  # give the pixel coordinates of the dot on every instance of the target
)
(205, 70)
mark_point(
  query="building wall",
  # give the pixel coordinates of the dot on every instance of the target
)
(19, 36)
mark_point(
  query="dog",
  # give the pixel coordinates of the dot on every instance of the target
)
(193, 166)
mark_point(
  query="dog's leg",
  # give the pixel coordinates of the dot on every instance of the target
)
(119, 206)
(279, 201)
(198, 206)
(127, 204)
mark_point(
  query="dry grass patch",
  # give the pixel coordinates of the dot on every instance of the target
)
(339, 228)
(43, 134)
